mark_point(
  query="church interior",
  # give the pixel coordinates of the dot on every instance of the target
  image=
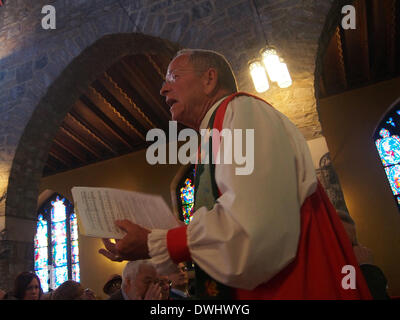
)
(77, 100)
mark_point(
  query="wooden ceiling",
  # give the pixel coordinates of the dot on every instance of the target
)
(366, 55)
(113, 115)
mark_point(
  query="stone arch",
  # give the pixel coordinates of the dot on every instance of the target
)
(35, 142)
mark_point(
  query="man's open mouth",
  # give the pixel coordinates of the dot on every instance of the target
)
(171, 102)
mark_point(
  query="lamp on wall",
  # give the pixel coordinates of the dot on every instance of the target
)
(259, 76)
(274, 65)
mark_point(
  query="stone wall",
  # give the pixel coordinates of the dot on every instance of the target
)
(41, 72)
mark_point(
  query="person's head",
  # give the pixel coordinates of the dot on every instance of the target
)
(113, 284)
(88, 294)
(136, 278)
(349, 226)
(195, 80)
(69, 290)
(27, 286)
(180, 279)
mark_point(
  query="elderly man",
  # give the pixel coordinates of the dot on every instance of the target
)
(140, 281)
(271, 234)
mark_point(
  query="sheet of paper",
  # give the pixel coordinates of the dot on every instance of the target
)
(98, 208)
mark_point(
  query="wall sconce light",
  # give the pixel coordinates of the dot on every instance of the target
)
(284, 80)
(277, 70)
(259, 76)
(271, 62)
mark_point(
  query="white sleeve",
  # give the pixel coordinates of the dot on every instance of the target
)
(252, 231)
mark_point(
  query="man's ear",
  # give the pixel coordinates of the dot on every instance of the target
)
(210, 81)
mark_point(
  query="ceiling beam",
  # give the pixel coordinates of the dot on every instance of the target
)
(94, 104)
(120, 114)
(90, 131)
(79, 141)
(141, 81)
(60, 158)
(124, 81)
(128, 102)
(69, 150)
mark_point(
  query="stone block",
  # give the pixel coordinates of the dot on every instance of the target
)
(158, 24)
(41, 62)
(202, 10)
(160, 6)
(2, 75)
(17, 92)
(24, 72)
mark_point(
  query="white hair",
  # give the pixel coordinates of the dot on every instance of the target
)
(132, 268)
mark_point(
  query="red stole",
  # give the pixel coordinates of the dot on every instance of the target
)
(324, 249)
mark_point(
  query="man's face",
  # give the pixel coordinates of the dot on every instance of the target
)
(184, 92)
(179, 279)
(145, 277)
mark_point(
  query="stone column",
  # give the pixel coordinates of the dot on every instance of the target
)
(16, 248)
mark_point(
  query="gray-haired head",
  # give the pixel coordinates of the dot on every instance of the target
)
(131, 270)
(202, 60)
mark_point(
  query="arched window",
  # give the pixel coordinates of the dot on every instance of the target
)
(387, 141)
(56, 255)
(185, 194)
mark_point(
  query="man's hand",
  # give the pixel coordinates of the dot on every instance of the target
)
(131, 247)
(153, 292)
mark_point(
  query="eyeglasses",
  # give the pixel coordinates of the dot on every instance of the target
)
(172, 77)
(183, 269)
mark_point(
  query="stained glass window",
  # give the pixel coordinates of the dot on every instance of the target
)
(56, 243)
(387, 141)
(186, 196)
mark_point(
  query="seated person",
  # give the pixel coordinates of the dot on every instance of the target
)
(69, 290)
(26, 287)
(374, 276)
(179, 283)
(112, 285)
(140, 281)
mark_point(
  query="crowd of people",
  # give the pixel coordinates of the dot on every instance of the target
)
(139, 281)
